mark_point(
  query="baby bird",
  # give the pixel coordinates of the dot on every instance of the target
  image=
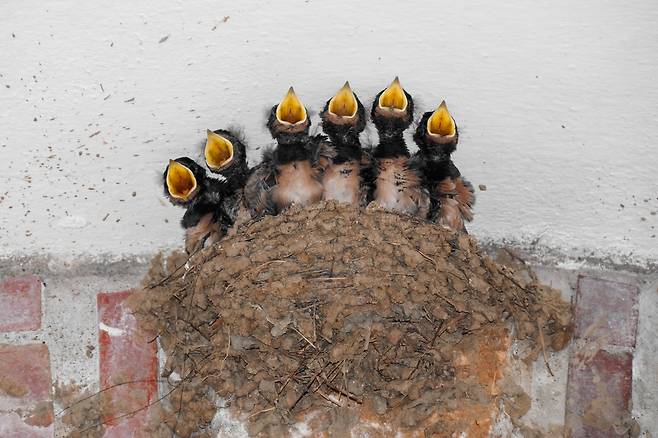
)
(398, 184)
(187, 185)
(452, 196)
(225, 153)
(343, 119)
(291, 172)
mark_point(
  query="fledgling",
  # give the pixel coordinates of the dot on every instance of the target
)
(452, 196)
(187, 185)
(290, 173)
(343, 119)
(225, 153)
(398, 184)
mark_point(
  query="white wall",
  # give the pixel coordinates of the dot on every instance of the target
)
(557, 103)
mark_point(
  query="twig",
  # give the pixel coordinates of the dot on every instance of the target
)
(131, 413)
(420, 359)
(315, 304)
(436, 265)
(347, 394)
(439, 332)
(367, 338)
(543, 349)
(334, 370)
(180, 399)
(307, 387)
(315, 335)
(262, 412)
(513, 280)
(257, 269)
(399, 402)
(77, 402)
(228, 347)
(329, 398)
(167, 277)
(305, 338)
(344, 378)
(530, 272)
(301, 365)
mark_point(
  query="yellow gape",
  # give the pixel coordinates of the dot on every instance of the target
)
(393, 97)
(218, 151)
(441, 122)
(181, 182)
(344, 104)
(290, 110)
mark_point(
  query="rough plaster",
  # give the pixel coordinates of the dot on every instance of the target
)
(556, 102)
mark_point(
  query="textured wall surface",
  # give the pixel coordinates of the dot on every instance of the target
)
(557, 104)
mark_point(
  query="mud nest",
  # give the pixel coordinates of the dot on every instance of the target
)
(330, 315)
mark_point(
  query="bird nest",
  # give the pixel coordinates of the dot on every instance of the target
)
(331, 319)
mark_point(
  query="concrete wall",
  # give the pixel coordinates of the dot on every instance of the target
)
(557, 104)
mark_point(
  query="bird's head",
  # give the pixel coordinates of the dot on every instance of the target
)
(288, 121)
(437, 134)
(343, 116)
(393, 110)
(183, 180)
(224, 152)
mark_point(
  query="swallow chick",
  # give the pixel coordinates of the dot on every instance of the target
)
(343, 119)
(290, 173)
(452, 197)
(187, 185)
(225, 152)
(398, 183)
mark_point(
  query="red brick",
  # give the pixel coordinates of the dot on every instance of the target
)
(21, 303)
(26, 408)
(598, 394)
(125, 356)
(606, 312)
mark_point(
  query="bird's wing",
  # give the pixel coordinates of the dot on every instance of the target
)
(463, 192)
(416, 164)
(206, 231)
(453, 195)
(424, 203)
(195, 211)
(466, 197)
(368, 173)
(258, 188)
(450, 215)
(322, 152)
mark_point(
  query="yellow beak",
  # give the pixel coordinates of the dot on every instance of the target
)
(393, 97)
(181, 182)
(441, 122)
(218, 151)
(290, 110)
(343, 104)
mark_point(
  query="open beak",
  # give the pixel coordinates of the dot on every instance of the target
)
(218, 152)
(181, 183)
(290, 110)
(441, 122)
(393, 98)
(343, 104)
